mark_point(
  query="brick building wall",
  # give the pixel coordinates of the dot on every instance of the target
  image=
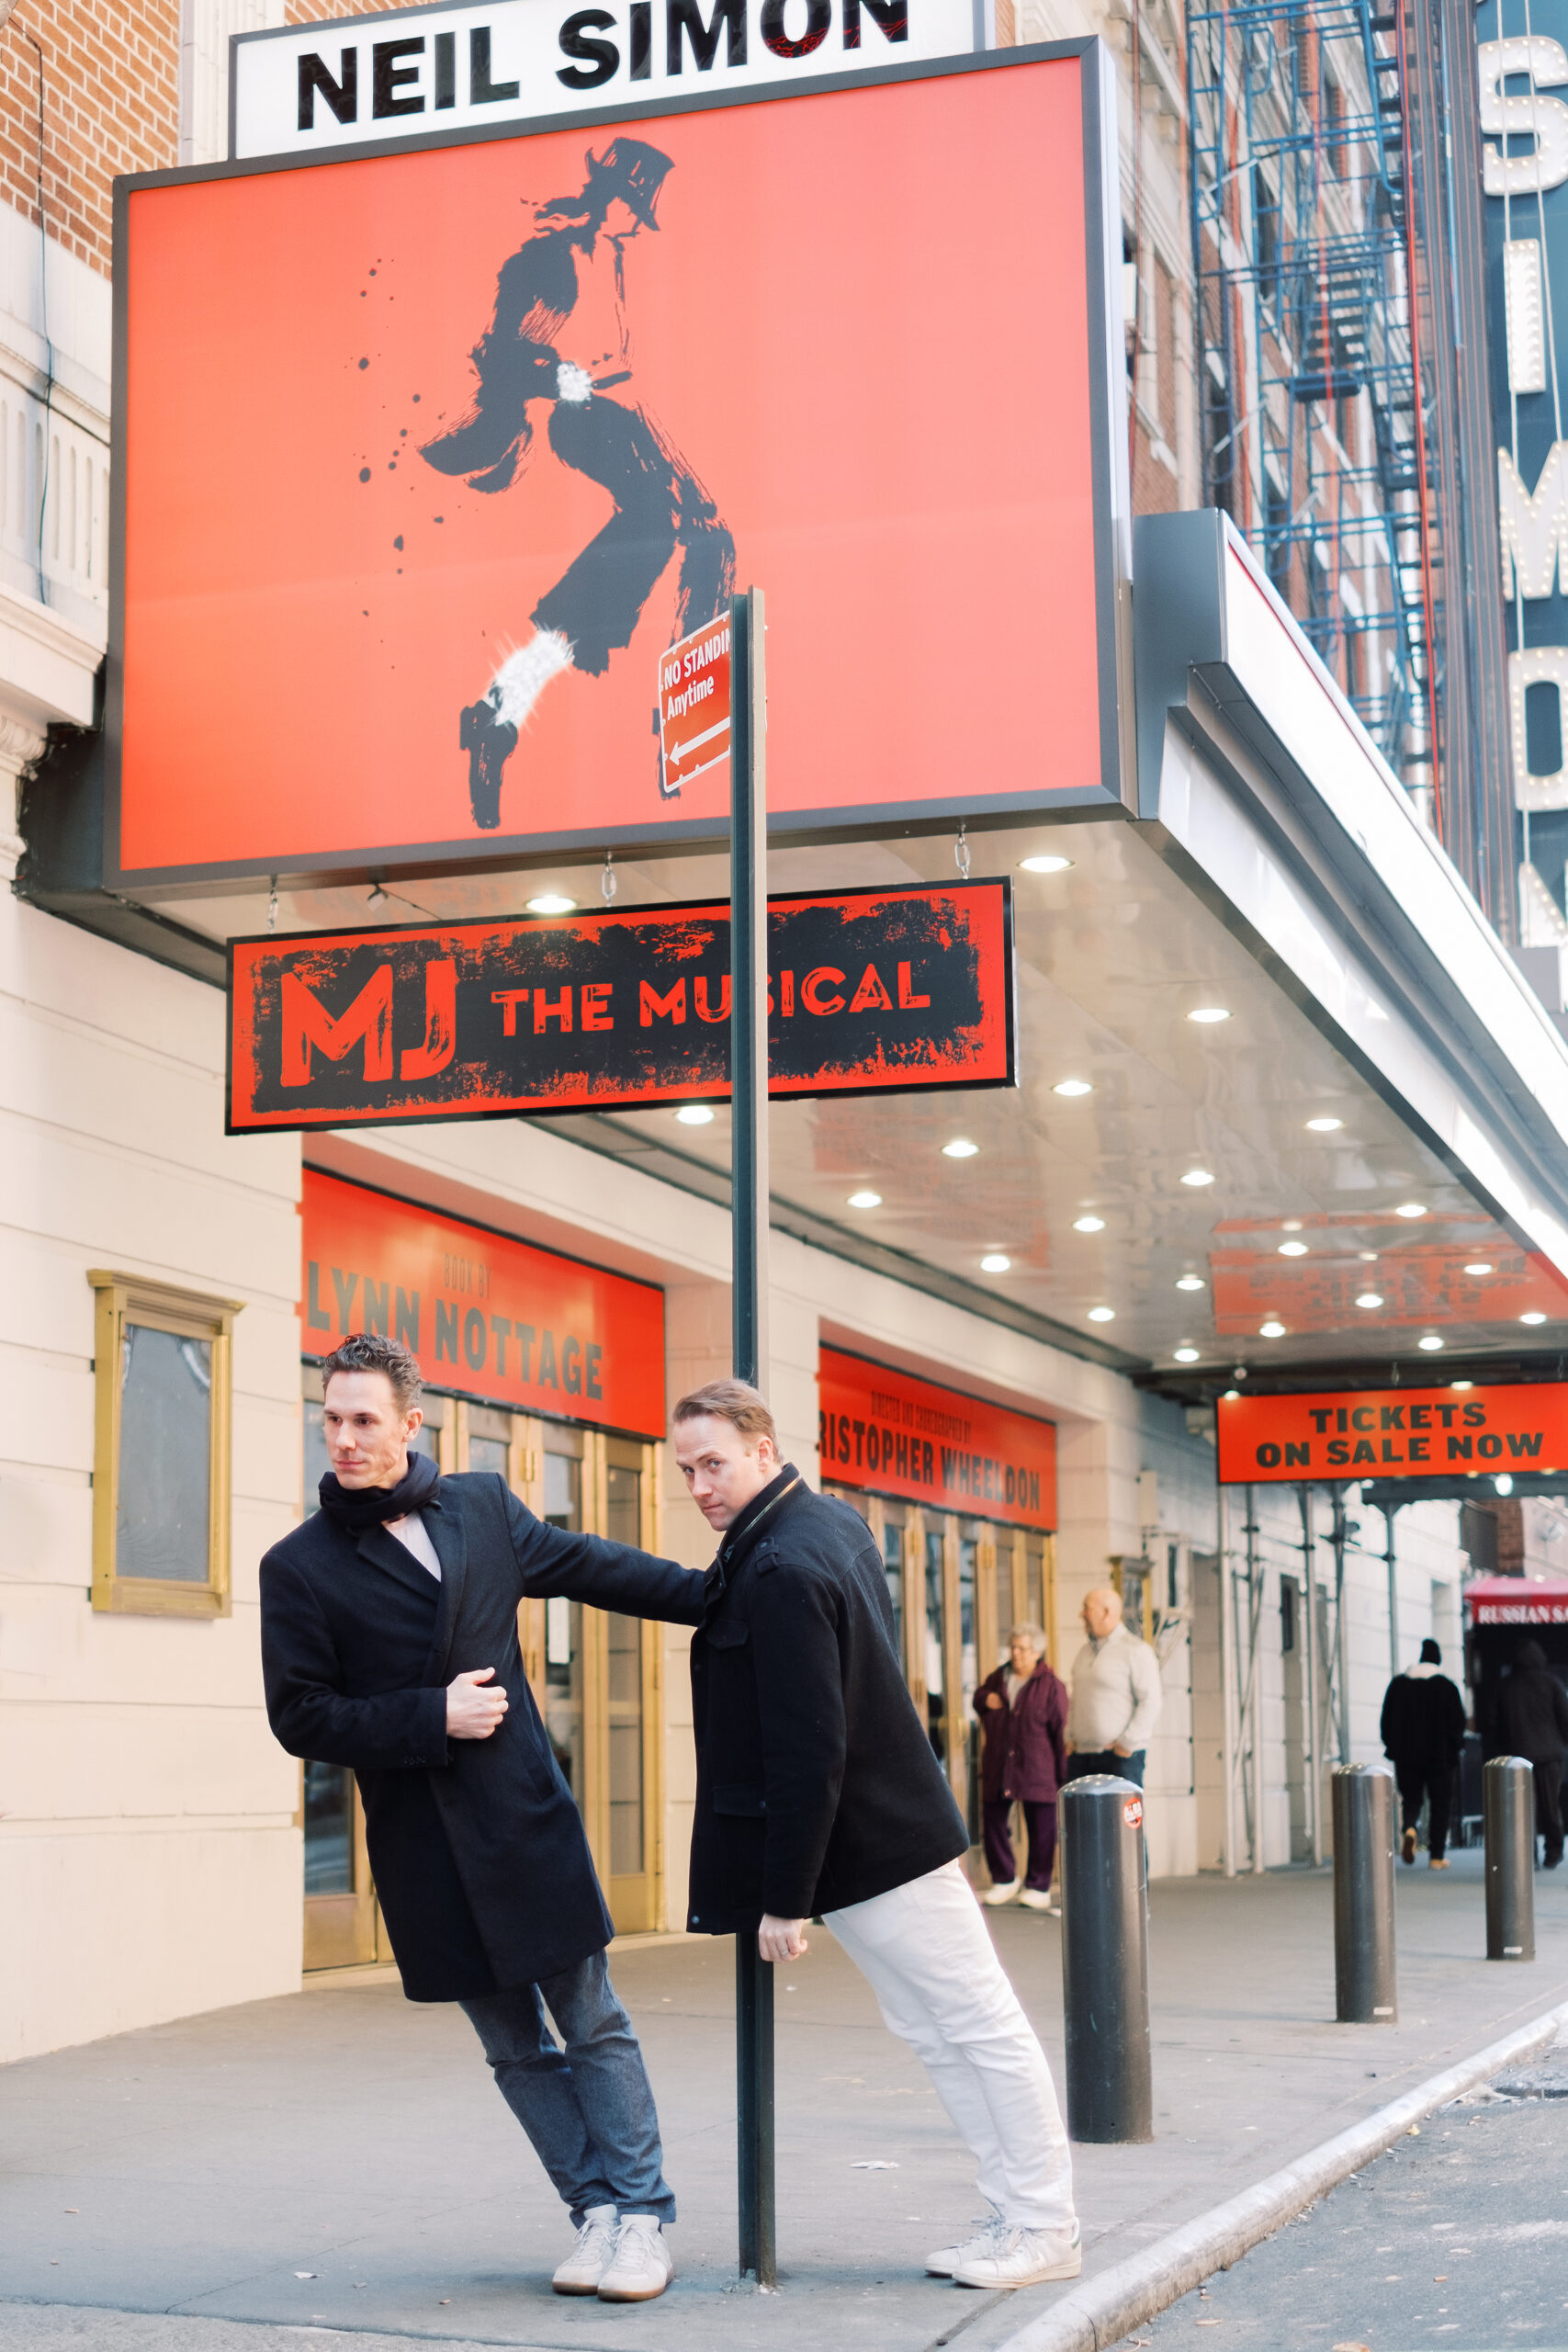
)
(110, 105)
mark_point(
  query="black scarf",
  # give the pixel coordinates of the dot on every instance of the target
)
(358, 1508)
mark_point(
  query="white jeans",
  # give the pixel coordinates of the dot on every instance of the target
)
(926, 1953)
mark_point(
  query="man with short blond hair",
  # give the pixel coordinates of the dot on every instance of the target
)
(1116, 1694)
(818, 1795)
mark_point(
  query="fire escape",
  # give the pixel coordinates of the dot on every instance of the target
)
(1313, 441)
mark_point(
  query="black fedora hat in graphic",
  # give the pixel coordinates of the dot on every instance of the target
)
(630, 170)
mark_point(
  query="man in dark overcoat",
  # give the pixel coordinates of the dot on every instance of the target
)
(1023, 1720)
(389, 1644)
(1532, 1715)
(818, 1793)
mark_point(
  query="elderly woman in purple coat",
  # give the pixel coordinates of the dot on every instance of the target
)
(1023, 1712)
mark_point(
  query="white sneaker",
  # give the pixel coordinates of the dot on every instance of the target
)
(949, 2258)
(642, 2266)
(590, 2259)
(1003, 1892)
(1023, 2259)
(1034, 1898)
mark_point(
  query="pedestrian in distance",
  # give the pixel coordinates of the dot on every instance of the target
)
(1023, 1714)
(389, 1644)
(1423, 1730)
(1115, 1694)
(818, 1795)
(1532, 1716)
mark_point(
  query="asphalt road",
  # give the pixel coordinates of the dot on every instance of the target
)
(1456, 2239)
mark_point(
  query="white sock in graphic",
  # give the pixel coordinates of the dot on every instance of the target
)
(524, 675)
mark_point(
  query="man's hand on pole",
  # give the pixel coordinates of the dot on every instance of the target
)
(782, 1939)
(473, 1712)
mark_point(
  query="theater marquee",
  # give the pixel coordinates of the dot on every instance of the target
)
(888, 1433)
(1392, 1433)
(872, 991)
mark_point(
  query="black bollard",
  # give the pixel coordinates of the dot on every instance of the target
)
(1508, 1813)
(1364, 1819)
(1105, 1960)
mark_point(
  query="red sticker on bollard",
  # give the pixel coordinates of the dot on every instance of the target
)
(1132, 1811)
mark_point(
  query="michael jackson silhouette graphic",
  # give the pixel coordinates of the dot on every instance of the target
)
(559, 336)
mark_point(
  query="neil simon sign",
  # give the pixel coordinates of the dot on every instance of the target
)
(411, 71)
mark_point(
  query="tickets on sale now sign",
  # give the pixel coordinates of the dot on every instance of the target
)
(1393, 1434)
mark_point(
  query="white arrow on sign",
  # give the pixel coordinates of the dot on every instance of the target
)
(678, 752)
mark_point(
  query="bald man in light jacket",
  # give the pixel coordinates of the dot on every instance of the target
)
(1115, 1694)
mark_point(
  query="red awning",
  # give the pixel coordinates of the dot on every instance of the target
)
(1516, 1600)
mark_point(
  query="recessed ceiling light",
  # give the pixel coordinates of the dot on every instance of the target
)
(865, 1200)
(995, 1263)
(1369, 1298)
(1292, 1248)
(695, 1114)
(1102, 1315)
(1367, 1256)
(1482, 1266)
(1186, 1355)
(1324, 1126)
(1089, 1224)
(1461, 1384)
(1532, 1315)
(552, 902)
(1190, 1282)
(1411, 1208)
(1198, 1177)
(1231, 1396)
(1503, 1482)
(1072, 1086)
(1291, 1224)
(959, 1148)
(1208, 1012)
(1430, 1341)
(1044, 864)
(1270, 1330)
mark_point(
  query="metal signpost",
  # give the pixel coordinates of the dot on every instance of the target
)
(749, 1279)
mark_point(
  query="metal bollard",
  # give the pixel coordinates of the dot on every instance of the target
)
(1364, 1820)
(1507, 1812)
(1105, 1960)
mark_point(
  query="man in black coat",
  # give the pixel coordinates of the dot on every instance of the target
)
(389, 1644)
(818, 1793)
(1532, 1716)
(1423, 1732)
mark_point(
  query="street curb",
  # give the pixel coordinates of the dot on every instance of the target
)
(1101, 2312)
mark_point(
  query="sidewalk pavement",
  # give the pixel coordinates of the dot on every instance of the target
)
(340, 2159)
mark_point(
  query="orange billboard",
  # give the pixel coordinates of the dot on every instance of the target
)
(424, 459)
(1392, 1433)
(489, 1317)
(888, 1433)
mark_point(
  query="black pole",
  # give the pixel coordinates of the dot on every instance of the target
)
(1508, 1813)
(748, 1299)
(1364, 1990)
(1105, 1960)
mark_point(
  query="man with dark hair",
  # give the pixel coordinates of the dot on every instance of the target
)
(389, 1644)
(818, 1793)
(1423, 1732)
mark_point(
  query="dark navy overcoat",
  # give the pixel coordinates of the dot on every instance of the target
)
(477, 1850)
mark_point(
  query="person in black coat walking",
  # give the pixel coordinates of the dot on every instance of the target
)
(1423, 1732)
(389, 1644)
(1532, 1716)
(818, 1793)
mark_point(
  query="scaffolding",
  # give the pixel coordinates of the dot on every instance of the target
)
(1314, 440)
